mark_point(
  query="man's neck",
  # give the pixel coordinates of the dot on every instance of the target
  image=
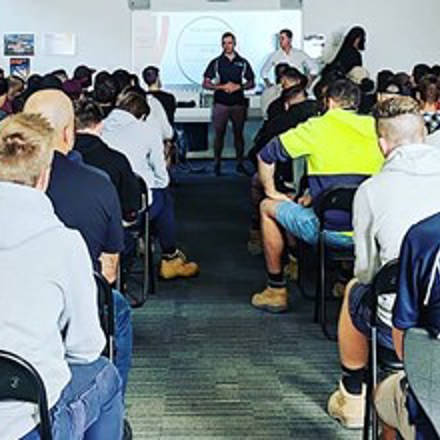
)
(90, 131)
(154, 88)
(287, 50)
(230, 56)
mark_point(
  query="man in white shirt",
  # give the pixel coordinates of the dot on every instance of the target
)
(288, 54)
(48, 300)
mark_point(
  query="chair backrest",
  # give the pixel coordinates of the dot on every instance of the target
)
(19, 380)
(336, 198)
(106, 312)
(421, 361)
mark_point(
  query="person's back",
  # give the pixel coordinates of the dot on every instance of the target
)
(140, 140)
(48, 312)
(76, 191)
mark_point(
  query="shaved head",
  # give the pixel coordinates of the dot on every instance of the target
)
(57, 108)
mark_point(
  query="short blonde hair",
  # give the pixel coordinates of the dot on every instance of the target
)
(26, 148)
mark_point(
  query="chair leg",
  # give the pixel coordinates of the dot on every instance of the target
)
(368, 396)
(317, 318)
(374, 418)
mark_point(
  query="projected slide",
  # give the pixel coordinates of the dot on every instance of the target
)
(182, 44)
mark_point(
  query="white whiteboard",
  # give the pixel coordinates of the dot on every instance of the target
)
(182, 43)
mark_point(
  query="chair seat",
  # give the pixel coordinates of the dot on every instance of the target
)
(388, 359)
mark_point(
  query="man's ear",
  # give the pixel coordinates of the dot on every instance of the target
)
(43, 180)
(384, 146)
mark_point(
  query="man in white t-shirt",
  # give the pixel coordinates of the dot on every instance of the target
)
(48, 300)
(288, 54)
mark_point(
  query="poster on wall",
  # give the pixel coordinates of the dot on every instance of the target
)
(59, 44)
(20, 67)
(19, 45)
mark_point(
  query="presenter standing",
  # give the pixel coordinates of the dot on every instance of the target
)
(289, 55)
(229, 75)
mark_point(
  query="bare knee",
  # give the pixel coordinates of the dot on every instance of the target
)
(268, 208)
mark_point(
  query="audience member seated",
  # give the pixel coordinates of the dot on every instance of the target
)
(298, 109)
(49, 312)
(340, 148)
(360, 76)
(429, 95)
(16, 87)
(130, 130)
(61, 74)
(273, 91)
(5, 106)
(151, 76)
(85, 200)
(417, 305)
(385, 207)
(88, 125)
(419, 71)
(289, 77)
(105, 92)
(84, 75)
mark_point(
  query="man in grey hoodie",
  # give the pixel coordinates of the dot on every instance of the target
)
(385, 207)
(49, 312)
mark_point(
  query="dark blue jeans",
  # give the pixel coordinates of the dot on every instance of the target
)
(123, 337)
(163, 221)
(90, 406)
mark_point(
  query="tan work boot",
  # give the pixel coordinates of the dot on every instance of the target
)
(178, 267)
(348, 409)
(291, 268)
(271, 299)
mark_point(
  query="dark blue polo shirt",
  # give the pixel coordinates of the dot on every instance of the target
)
(87, 201)
(222, 70)
(418, 297)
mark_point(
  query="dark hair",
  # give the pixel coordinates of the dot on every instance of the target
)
(287, 32)
(419, 71)
(4, 86)
(50, 81)
(2, 73)
(229, 35)
(429, 89)
(294, 74)
(403, 80)
(134, 104)
(435, 70)
(87, 113)
(101, 77)
(346, 93)
(105, 93)
(279, 71)
(367, 85)
(150, 75)
(383, 79)
(136, 89)
(122, 78)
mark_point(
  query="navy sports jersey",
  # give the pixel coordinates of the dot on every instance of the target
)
(222, 70)
(418, 299)
(86, 201)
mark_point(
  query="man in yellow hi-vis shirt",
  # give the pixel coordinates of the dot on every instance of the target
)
(340, 148)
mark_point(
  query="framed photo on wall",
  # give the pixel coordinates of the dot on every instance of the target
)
(19, 45)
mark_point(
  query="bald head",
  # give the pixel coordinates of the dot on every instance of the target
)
(57, 108)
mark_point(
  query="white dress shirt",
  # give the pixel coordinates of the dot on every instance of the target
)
(295, 58)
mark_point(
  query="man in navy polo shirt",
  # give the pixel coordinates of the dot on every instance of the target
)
(87, 201)
(229, 75)
(417, 305)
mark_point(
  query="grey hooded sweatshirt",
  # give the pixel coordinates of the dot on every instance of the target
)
(406, 190)
(47, 287)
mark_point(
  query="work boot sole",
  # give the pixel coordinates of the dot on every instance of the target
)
(348, 424)
(271, 308)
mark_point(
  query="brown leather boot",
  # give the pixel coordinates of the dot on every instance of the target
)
(178, 268)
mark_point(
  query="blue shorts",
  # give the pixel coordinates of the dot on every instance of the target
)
(303, 223)
(359, 307)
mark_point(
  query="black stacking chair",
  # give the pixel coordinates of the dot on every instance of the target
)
(140, 232)
(379, 358)
(20, 381)
(337, 198)
(106, 313)
(422, 358)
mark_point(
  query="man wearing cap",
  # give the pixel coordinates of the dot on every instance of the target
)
(229, 75)
(288, 54)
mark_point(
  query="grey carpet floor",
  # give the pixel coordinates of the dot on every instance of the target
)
(209, 366)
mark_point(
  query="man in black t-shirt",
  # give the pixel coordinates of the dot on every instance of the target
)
(97, 153)
(229, 75)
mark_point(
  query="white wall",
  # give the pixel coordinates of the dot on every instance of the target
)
(400, 32)
(103, 29)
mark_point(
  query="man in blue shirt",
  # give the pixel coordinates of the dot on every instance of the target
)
(417, 305)
(229, 75)
(87, 201)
